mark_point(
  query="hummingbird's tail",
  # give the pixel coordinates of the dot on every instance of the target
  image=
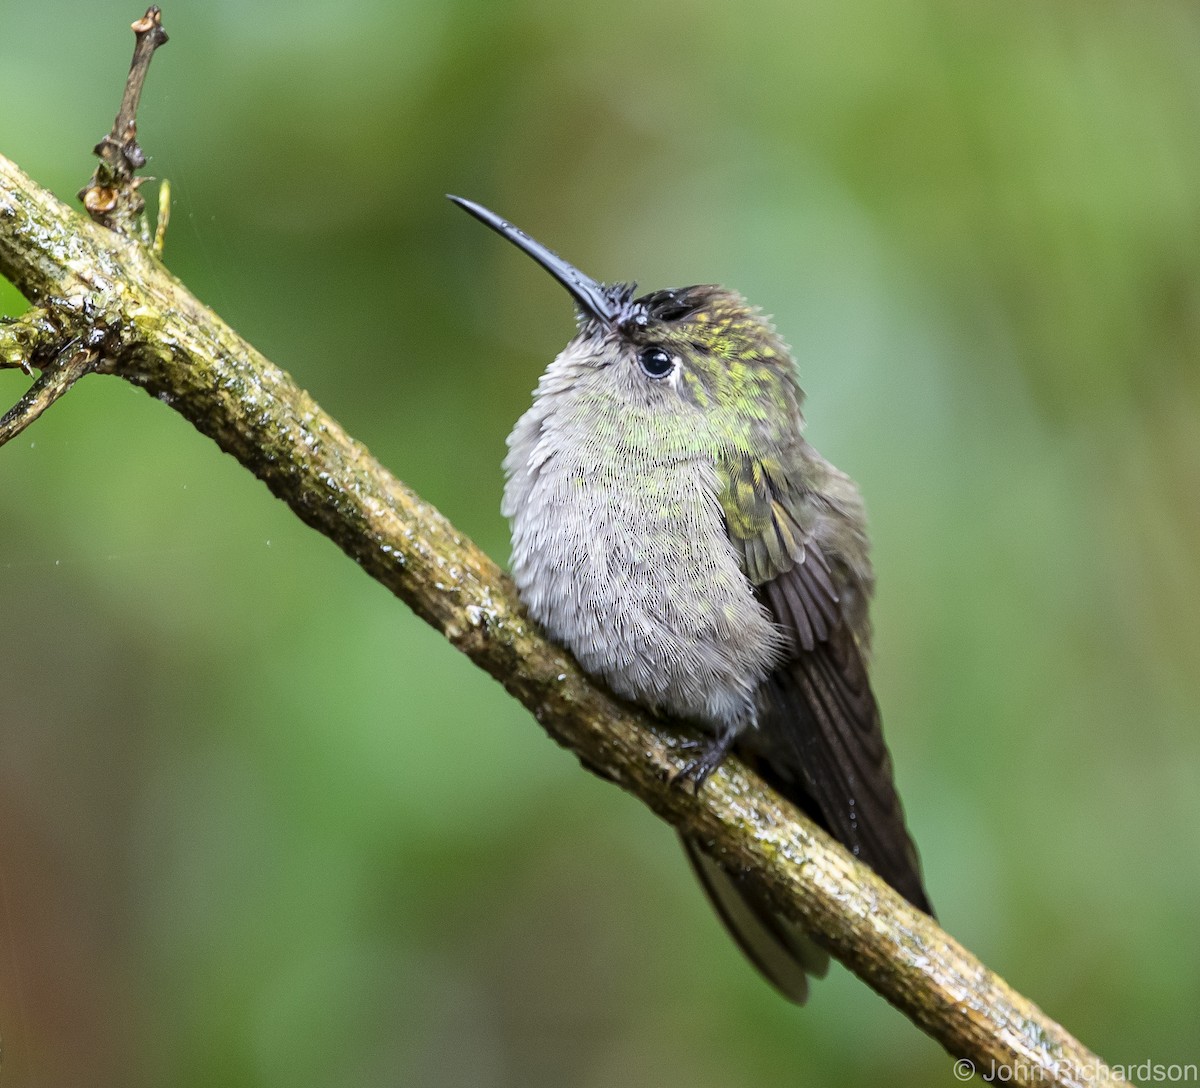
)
(783, 953)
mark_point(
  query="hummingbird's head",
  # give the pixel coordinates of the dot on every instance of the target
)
(685, 349)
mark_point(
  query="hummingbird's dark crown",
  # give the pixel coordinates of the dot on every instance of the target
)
(676, 303)
(664, 306)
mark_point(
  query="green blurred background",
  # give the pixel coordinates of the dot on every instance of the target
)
(259, 826)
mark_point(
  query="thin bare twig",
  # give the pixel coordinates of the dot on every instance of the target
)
(111, 197)
(51, 384)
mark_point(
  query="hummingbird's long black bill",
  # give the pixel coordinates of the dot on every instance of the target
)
(591, 296)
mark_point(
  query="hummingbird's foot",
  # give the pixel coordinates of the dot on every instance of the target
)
(711, 756)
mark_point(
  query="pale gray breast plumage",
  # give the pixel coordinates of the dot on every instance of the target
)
(629, 566)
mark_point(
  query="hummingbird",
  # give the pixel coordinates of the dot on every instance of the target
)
(674, 530)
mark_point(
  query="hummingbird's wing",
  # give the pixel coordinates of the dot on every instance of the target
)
(820, 739)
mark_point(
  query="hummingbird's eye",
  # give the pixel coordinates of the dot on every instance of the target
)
(655, 362)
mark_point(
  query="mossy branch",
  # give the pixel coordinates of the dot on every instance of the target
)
(106, 304)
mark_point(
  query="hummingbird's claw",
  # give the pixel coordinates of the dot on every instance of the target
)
(712, 755)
